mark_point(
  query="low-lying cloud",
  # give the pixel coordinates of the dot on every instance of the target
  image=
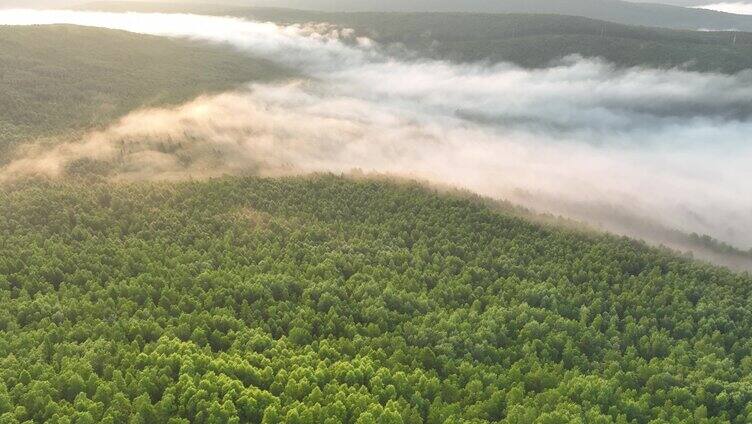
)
(739, 8)
(580, 138)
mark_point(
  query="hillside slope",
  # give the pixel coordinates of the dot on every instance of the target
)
(330, 300)
(538, 40)
(56, 79)
(524, 39)
(624, 12)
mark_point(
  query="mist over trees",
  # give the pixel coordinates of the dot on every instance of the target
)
(61, 79)
(530, 40)
(200, 292)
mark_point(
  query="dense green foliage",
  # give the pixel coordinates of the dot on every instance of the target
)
(527, 40)
(60, 78)
(331, 300)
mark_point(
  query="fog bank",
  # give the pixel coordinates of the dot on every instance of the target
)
(738, 8)
(670, 147)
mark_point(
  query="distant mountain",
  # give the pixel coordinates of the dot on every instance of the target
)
(684, 3)
(646, 14)
(609, 10)
(531, 40)
(536, 40)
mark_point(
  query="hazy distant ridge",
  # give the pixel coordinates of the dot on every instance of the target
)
(647, 14)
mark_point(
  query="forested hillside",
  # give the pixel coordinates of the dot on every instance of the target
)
(332, 300)
(55, 79)
(524, 39)
(624, 12)
(539, 40)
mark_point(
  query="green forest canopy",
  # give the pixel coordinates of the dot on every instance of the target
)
(59, 78)
(333, 300)
(324, 299)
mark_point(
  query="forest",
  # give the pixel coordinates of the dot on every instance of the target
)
(330, 299)
(291, 295)
(538, 40)
(530, 40)
(648, 13)
(60, 79)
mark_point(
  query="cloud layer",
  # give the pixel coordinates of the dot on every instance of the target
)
(739, 8)
(579, 138)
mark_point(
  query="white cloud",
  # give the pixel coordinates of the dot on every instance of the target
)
(738, 8)
(575, 138)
